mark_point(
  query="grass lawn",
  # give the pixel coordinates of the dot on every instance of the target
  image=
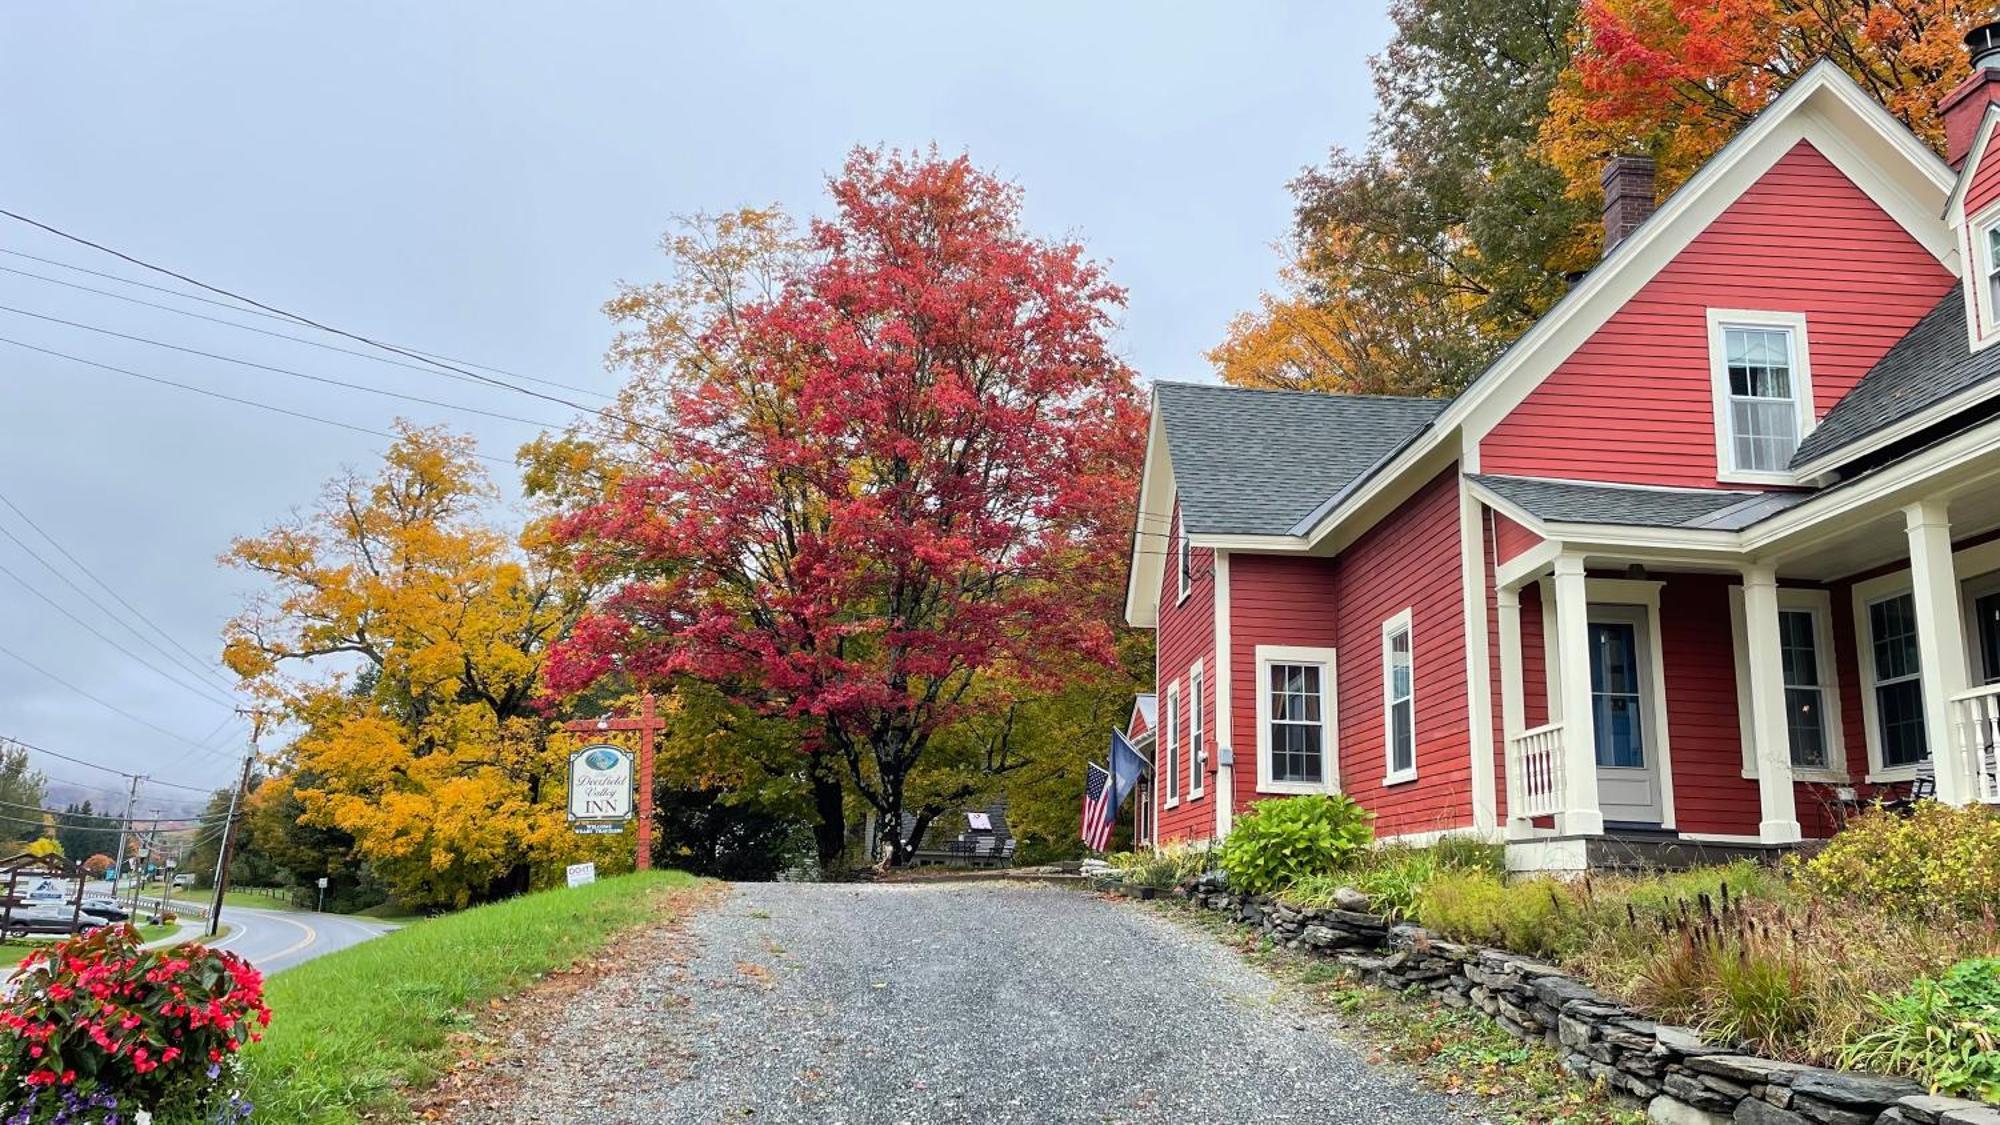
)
(256, 900)
(12, 952)
(351, 1030)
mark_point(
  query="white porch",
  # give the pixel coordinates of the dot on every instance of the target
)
(1599, 754)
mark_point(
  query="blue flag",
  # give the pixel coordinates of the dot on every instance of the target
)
(1126, 766)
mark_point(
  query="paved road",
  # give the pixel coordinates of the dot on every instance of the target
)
(938, 1003)
(278, 939)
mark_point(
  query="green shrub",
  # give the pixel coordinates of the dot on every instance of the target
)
(1538, 917)
(1945, 1031)
(1281, 841)
(1937, 860)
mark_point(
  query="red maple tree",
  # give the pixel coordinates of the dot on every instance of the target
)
(903, 461)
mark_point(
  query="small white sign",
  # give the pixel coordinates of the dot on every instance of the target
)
(582, 873)
(979, 821)
(322, 882)
(600, 784)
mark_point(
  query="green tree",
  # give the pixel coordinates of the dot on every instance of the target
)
(1415, 261)
(82, 831)
(23, 791)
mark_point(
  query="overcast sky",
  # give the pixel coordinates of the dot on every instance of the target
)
(473, 180)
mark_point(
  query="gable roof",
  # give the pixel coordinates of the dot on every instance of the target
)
(1933, 363)
(1561, 501)
(1256, 462)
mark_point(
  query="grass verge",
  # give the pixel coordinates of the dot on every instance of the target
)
(1452, 1050)
(352, 1031)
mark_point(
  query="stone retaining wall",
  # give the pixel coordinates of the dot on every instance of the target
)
(1671, 1071)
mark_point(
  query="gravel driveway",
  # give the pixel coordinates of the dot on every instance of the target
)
(940, 1002)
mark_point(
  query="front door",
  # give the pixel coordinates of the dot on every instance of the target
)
(1621, 706)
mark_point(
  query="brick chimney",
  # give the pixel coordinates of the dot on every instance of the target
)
(1963, 108)
(1628, 196)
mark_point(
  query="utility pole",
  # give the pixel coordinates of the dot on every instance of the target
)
(237, 797)
(124, 826)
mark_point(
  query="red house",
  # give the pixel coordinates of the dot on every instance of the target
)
(1710, 553)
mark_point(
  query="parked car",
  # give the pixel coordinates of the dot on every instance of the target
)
(49, 920)
(105, 909)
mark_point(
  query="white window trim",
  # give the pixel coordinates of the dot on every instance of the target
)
(1984, 325)
(1267, 655)
(1718, 374)
(1391, 775)
(1170, 729)
(1866, 594)
(1197, 733)
(1183, 560)
(1819, 603)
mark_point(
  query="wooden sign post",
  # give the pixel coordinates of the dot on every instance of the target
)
(647, 724)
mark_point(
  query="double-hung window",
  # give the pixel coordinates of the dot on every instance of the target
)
(1297, 738)
(1898, 680)
(1399, 701)
(1197, 746)
(1763, 392)
(1172, 738)
(1811, 689)
(1992, 234)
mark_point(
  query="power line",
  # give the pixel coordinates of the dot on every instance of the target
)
(276, 370)
(184, 685)
(145, 778)
(206, 392)
(329, 329)
(99, 606)
(308, 342)
(112, 707)
(426, 354)
(105, 586)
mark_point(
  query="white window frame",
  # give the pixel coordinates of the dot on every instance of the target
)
(1170, 732)
(1867, 594)
(1399, 624)
(1719, 321)
(1980, 230)
(1267, 655)
(1197, 731)
(1819, 603)
(1183, 560)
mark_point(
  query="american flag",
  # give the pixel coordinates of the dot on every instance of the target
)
(1098, 811)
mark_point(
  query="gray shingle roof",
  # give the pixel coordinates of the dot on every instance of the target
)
(1577, 502)
(1930, 364)
(1252, 462)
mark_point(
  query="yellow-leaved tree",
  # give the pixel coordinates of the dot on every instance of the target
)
(401, 634)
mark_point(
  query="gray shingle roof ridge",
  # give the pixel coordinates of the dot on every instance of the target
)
(1341, 396)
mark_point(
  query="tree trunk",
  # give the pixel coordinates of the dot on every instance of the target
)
(830, 834)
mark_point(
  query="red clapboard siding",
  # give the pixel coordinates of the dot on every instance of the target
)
(1534, 661)
(1409, 560)
(1273, 600)
(1186, 633)
(1633, 403)
(1510, 538)
(1985, 185)
(1711, 794)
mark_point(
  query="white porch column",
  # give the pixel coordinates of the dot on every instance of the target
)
(1581, 815)
(1780, 822)
(1512, 706)
(1940, 642)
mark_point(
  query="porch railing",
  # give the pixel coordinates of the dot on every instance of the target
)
(1535, 761)
(1976, 714)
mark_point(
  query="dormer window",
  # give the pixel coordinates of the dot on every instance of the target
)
(1763, 393)
(1992, 270)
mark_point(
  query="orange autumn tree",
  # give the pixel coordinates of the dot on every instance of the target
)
(401, 632)
(1677, 78)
